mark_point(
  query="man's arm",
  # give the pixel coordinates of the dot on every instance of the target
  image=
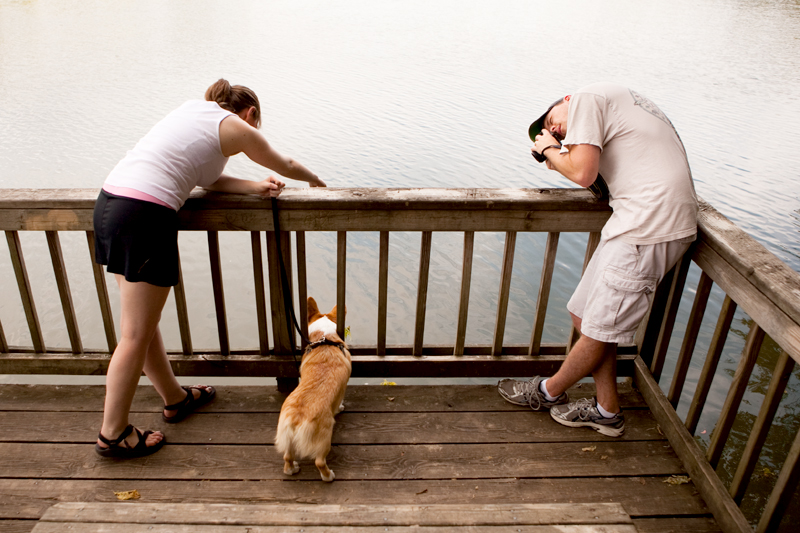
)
(579, 165)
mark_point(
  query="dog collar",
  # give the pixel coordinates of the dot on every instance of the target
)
(324, 341)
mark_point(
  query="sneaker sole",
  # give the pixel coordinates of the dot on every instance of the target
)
(604, 430)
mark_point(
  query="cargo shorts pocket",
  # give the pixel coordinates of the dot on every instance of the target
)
(623, 298)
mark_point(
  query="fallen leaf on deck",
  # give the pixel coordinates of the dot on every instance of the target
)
(589, 449)
(423, 491)
(390, 398)
(603, 457)
(677, 480)
(388, 382)
(127, 495)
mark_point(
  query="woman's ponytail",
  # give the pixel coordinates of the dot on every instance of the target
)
(233, 98)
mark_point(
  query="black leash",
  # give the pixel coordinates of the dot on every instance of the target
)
(288, 306)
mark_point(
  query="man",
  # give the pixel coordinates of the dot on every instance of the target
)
(620, 134)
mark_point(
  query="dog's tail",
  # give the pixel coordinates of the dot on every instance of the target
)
(304, 440)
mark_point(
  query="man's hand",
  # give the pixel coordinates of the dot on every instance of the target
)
(543, 140)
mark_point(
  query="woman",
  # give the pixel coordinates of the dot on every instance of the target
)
(136, 235)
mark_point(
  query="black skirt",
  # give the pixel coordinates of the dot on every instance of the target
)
(136, 239)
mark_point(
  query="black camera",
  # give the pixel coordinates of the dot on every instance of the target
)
(599, 188)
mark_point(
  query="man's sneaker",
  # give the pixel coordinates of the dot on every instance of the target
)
(526, 392)
(584, 413)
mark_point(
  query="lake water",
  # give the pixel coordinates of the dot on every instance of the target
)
(407, 94)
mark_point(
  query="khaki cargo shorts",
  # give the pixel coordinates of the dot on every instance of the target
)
(614, 293)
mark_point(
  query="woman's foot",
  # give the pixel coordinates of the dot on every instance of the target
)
(130, 443)
(196, 396)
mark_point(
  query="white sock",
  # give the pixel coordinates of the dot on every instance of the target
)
(543, 390)
(603, 412)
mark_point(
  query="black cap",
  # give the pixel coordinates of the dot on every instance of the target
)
(537, 125)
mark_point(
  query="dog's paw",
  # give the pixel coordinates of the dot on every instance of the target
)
(329, 478)
(293, 470)
(341, 408)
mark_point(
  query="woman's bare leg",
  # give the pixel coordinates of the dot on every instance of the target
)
(141, 311)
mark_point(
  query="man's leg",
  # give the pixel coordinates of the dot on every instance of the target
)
(589, 356)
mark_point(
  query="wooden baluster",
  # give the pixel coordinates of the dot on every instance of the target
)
(182, 309)
(261, 298)
(551, 249)
(466, 281)
(62, 282)
(758, 435)
(710, 366)
(302, 285)
(673, 302)
(341, 281)
(505, 287)
(737, 389)
(102, 296)
(3, 343)
(690, 338)
(591, 246)
(783, 492)
(25, 292)
(283, 343)
(422, 290)
(383, 291)
(219, 294)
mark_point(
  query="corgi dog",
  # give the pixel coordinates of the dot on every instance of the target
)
(305, 426)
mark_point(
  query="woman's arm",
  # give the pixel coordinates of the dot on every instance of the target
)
(237, 136)
(271, 186)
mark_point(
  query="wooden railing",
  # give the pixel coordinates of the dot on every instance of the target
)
(751, 277)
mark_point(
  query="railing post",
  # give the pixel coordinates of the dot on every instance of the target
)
(283, 343)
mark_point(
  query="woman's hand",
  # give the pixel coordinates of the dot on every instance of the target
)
(317, 182)
(270, 187)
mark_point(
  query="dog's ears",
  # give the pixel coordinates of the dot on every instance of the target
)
(313, 310)
(332, 314)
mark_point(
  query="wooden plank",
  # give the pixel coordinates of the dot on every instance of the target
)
(551, 249)
(422, 291)
(519, 426)
(261, 298)
(690, 338)
(735, 394)
(25, 292)
(475, 363)
(102, 296)
(17, 526)
(219, 293)
(302, 286)
(784, 490)
(48, 527)
(640, 496)
(341, 281)
(710, 365)
(502, 297)
(758, 435)
(673, 303)
(62, 282)
(677, 525)
(466, 281)
(383, 291)
(726, 513)
(254, 399)
(453, 515)
(591, 246)
(351, 462)
(775, 321)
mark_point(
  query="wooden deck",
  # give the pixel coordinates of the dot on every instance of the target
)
(404, 446)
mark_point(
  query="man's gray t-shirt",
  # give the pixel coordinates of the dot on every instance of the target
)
(642, 160)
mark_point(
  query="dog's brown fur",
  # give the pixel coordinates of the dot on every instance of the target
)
(306, 422)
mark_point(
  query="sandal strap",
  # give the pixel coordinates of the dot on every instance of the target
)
(122, 436)
(186, 399)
